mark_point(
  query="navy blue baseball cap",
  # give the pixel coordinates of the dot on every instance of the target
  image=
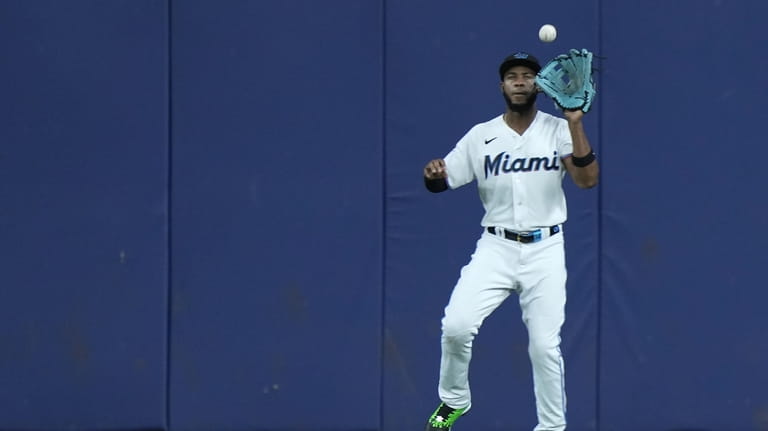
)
(519, 59)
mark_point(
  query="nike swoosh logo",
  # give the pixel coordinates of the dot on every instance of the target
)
(490, 140)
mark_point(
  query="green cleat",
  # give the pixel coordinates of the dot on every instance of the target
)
(444, 417)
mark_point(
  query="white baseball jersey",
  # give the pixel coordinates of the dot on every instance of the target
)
(519, 177)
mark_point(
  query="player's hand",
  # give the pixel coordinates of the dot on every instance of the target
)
(435, 169)
(573, 115)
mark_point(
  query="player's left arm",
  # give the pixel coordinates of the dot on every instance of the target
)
(585, 177)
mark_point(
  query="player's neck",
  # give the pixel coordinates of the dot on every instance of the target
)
(519, 121)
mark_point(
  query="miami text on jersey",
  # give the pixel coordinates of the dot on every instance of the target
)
(502, 162)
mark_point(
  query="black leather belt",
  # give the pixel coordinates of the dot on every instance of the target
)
(527, 237)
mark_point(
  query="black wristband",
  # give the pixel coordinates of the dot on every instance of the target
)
(436, 185)
(580, 162)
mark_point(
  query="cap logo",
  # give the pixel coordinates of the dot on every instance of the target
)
(521, 55)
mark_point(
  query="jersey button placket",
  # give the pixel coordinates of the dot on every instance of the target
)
(518, 197)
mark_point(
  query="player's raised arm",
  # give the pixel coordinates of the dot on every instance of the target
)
(582, 165)
(435, 176)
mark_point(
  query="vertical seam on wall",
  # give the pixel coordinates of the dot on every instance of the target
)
(599, 305)
(169, 296)
(382, 333)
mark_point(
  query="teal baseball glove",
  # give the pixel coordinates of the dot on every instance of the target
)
(567, 79)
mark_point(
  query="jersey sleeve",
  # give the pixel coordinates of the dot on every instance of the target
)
(564, 140)
(458, 163)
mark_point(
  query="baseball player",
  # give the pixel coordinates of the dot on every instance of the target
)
(519, 160)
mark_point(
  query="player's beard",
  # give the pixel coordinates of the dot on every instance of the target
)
(524, 107)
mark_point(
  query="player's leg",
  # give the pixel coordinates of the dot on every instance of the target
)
(483, 285)
(542, 301)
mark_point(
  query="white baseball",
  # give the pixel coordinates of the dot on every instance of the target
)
(547, 33)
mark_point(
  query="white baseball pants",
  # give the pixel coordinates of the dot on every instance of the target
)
(537, 273)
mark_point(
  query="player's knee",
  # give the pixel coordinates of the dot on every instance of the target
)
(543, 348)
(457, 342)
(458, 328)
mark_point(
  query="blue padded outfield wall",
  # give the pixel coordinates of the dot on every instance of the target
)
(83, 214)
(212, 215)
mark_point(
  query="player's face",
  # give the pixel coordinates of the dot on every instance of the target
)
(519, 88)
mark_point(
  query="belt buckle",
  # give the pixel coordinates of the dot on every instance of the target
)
(530, 237)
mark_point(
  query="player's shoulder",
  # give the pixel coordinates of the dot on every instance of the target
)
(480, 130)
(490, 125)
(547, 119)
(493, 122)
